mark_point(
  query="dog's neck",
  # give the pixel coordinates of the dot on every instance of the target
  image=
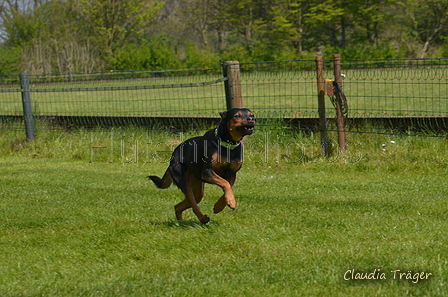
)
(223, 135)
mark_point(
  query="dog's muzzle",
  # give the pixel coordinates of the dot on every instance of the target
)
(247, 129)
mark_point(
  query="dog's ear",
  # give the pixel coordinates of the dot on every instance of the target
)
(223, 115)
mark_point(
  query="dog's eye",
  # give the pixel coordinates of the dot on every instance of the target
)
(237, 116)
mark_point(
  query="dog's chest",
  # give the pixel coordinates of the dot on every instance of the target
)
(227, 161)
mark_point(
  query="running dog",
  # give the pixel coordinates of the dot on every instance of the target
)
(213, 158)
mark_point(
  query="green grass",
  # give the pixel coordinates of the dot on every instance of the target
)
(75, 225)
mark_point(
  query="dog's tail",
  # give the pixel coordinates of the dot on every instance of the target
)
(163, 182)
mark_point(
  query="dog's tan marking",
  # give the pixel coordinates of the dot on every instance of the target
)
(220, 162)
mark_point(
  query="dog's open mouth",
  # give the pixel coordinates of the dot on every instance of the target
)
(247, 129)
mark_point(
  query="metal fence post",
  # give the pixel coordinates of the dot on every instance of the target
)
(321, 105)
(339, 114)
(232, 86)
(26, 103)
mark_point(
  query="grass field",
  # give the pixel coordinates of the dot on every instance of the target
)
(277, 93)
(77, 224)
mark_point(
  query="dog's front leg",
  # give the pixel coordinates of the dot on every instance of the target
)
(222, 202)
(227, 198)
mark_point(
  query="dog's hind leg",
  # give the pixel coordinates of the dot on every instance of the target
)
(193, 190)
(197, 187)
(180, 207)
(194, 186)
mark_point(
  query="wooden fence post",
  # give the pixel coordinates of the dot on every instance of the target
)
(340, 116)
(321, 105)
(26, 104)
(234, 98)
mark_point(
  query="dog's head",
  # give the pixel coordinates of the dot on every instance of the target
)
(239, 122)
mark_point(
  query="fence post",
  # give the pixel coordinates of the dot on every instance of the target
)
(232, 86)
(340, 117)
(26, 103)
(321, 105)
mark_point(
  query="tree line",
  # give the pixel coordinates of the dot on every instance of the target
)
(43, 36)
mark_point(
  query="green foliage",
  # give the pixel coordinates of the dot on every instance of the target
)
(76, 35)
(11, 58)
(114, 23)
(21, 27)
(360, 51)
(444, 48)
(86, 36)
(324, 12)
(196, 56)
(236, 52)
(157, 52)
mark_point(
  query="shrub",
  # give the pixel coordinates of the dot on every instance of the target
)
(11, 58)
(156, 52)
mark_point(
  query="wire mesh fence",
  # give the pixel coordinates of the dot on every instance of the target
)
(403, 93)
(280, 89)
(414, 88)
(121, 93)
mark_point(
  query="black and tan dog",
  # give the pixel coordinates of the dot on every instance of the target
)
(212, 158)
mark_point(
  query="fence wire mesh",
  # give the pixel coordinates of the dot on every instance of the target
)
(122, 93)
(412, 89)
(395, 93)
(280, 89)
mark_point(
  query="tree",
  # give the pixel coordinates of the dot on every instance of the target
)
(113, 23)
(423, 24)
(286, 23)
(18, 21)
(88, 35)
(328, 18)
(74, 35)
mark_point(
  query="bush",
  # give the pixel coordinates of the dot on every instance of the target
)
(157, 52)
(196, 57)
(444, 48)
(235, 52)
(11, 58)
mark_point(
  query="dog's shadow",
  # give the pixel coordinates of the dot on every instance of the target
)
(186, 224)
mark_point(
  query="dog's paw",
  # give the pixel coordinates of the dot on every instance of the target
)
(205, 220)
(230, 200)
(232, 204)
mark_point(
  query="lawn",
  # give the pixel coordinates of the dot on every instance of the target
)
(74, 226)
